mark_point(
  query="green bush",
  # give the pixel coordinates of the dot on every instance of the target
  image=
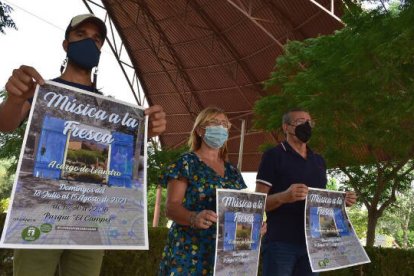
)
(6, 255)
(384, 261)
(86, 156)
(127, 262)
(4, 204)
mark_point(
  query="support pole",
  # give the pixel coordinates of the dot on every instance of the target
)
(242, 134)
(157, 207)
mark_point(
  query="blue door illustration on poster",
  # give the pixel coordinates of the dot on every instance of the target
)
(341, 223)
(229, 231)
(122, 150)
(256, 231)
(314, 222)
(51, 147)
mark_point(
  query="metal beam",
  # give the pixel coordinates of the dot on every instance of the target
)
(242, 134)
(175, 59)
(277, 12)
(124, 61)
(330, 11)
(224, 42)
(255, 20)
(232, 75)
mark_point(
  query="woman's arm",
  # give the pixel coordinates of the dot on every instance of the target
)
(177, 212)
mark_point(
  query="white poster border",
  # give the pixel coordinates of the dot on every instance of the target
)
(306, 239)
(217, 228)
(86, 247)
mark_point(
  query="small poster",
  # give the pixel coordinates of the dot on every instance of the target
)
(240, 217)
(330, 238)
(81, 177)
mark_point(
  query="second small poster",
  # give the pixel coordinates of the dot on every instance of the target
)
(240, 217)
(330, 238)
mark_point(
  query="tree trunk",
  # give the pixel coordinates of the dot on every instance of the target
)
(404, 227)
(359, 270)
(372, 224)
(157, 207)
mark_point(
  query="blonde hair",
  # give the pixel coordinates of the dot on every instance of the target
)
(202, 119)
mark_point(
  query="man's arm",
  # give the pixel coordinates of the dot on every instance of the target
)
(20, 87)
(267, 177)
(12, 114)
(295, 192)
(157, 122)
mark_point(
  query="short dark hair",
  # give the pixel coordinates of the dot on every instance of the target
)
(286, 117)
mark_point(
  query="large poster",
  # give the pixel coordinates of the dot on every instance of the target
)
(240, 217)
(330, 238)
(81, 177)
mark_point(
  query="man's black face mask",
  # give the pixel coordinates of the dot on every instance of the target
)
(84, 53)
(303, 132)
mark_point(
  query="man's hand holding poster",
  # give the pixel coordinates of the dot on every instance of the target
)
(240, 217)
(330, 238)
(81, 178)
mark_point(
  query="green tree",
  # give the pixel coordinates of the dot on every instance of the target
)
(358, 85)
(158, 160)
(398, 220)
(332, 184)
(6, 179)
(358, 217)
(5, 20)
(11, 143)
(151, 197)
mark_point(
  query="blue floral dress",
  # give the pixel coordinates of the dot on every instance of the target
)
(191, 251)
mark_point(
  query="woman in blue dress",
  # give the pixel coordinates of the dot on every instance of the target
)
(191, 196)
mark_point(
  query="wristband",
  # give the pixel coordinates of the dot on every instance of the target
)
(193, 219)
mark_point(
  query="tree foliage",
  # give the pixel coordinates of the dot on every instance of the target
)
(358, 217)
(151, 197)
(158, 160)
(358, 85)
(6, 180)
(398, 220)
(11, 143)
(5, 20)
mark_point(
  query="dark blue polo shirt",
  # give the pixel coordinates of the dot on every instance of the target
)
(77, 85)
(281, 167)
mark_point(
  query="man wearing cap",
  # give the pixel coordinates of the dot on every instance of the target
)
(285, 173)
(84, 38)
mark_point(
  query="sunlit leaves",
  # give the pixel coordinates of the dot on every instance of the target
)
(5, 20)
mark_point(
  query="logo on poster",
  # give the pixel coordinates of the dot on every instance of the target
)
(30, 233)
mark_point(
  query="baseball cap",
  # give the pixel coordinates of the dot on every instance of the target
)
(82, 18)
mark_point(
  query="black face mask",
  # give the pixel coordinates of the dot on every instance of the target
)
(303, 132)
(84, 53)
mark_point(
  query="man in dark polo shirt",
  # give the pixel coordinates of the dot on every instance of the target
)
(84, 38)
(285, 173)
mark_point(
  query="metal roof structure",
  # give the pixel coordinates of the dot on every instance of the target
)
(190, 54)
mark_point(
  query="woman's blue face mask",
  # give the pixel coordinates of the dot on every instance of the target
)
(216, 136)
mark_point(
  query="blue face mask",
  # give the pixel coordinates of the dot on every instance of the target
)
(84, 53)
(216, 136)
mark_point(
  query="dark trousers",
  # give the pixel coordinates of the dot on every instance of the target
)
(285, 259)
